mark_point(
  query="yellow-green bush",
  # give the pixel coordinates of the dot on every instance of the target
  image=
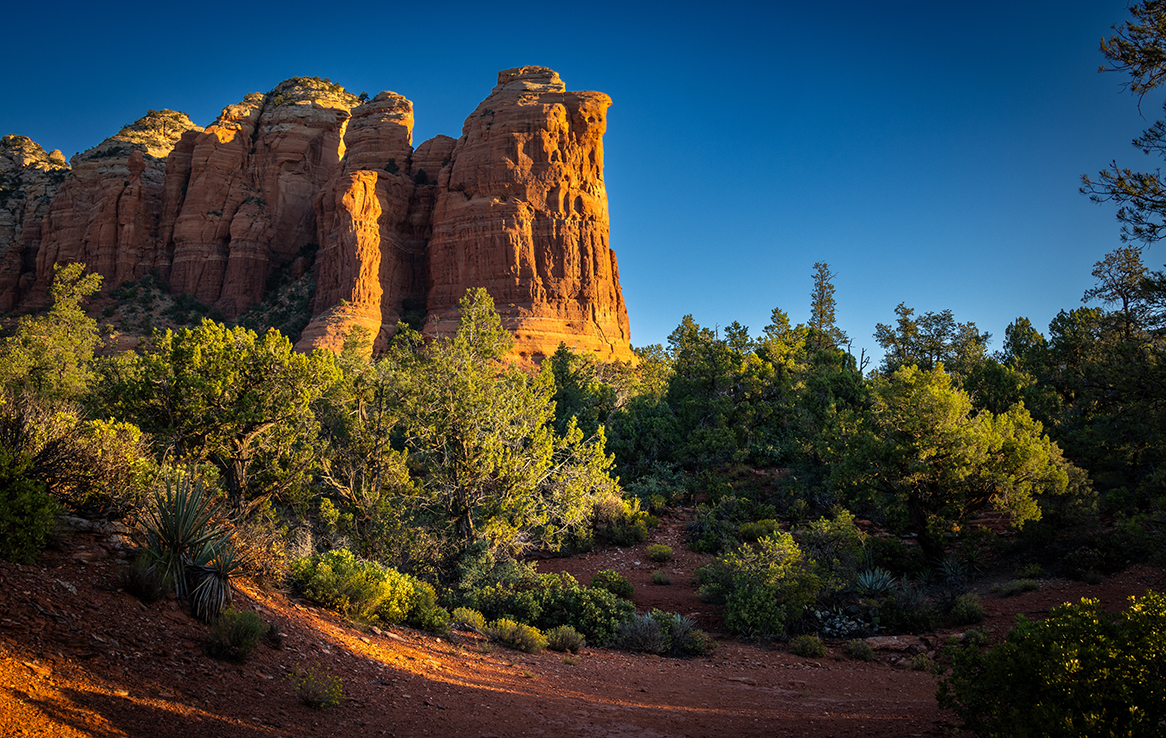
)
(1080, 672)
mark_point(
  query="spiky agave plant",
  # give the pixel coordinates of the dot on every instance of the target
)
(213, 567)
(875, 582)
(177, 527)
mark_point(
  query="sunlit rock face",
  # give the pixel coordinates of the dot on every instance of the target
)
(522, 211)
(309, 176)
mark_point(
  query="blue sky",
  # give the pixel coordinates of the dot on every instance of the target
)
(930, 154)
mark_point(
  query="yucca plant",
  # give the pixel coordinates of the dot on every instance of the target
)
(213, 568)
(178, 527)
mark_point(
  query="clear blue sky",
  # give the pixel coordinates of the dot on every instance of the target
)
(929, 152)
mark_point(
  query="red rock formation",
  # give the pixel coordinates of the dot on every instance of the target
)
(523, 213)
(252, 178)
(106, 211)
(516, 205)
(367, 265)
(29, 178)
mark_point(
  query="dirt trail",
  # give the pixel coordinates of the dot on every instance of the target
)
(78, 657)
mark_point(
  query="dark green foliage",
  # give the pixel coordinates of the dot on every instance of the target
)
(908, 610)
(716, 529)
(143, 581)
(1080, 672)
(565, 638)
(859, 650)
(750, 532)
(967, 610)
(808, 646)
(663, 633)
(932, 340)
(28, 515)
(764, 587)
(515, 590)
(233, 636)
(613, 582)
(661, 577)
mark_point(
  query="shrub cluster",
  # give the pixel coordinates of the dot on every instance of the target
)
(808, 646)
(613, 582)
(516, 591)
(234, 635)
(764, 586)
(365, 591)
(519, 636)
(317, 688)
(28, 514)
(663, 633)
(1081, 671)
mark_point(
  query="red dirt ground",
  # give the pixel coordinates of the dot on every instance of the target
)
(78, 657)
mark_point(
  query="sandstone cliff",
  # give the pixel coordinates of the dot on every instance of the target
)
(308, 176)
(29, 178)
(522, 211)
(106, 212)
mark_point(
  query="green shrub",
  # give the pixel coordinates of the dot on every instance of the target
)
(764, 586)
(683, 637)
(640, 634)
(907, 610)
(661, 577)
(1081, 671)
(565, 638)
(1031, 570)
(968, 610)
(837, 546)
(465, 618)
(613, 582)
(622, 522)
(976, 639)
(519, 636)
(659, 553)
(360, 590)
(424, 612)
(515, 590)
(715, 529)
(1015, 587)
(921, 662)
(809, 646)
(859, 650)
(663, 633)
(317, 688)
(234, 635)
(751, 532)
(143, 581)
(28, 515)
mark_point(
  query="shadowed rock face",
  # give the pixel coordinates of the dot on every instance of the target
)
(29, 178)
(516, 205)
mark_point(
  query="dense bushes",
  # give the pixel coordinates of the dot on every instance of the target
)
(663, 633)
(764, 586)
(28, 514)
(365, 591)
(1081, 672)
(549, 600)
